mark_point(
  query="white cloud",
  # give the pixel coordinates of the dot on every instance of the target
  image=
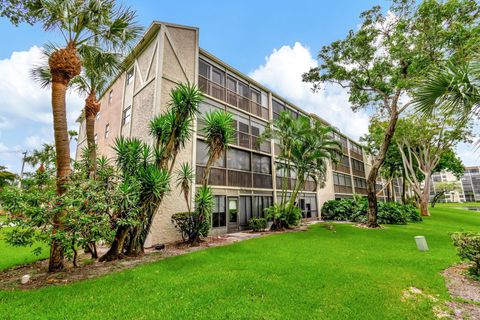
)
(282, 72)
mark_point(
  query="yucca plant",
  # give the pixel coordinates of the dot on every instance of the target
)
(219, 132)
(185, 178)
(81, 23)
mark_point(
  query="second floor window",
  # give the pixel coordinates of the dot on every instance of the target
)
(129, 76)
(127, 115)
(110, 96)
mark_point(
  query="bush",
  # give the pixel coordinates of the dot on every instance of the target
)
(355, 210)
(191, 228)
(283, 218)
(468, 246)
(257, 224)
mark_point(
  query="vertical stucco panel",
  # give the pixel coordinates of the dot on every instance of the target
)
(142, 112)
(111, 114)
(145, 60)
(185, 42)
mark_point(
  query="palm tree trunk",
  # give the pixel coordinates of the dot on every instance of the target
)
(62, 147)
(64, 65)
(115, 251)
(92, 107)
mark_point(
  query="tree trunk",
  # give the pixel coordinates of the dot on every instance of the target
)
(92, 107)
(62, 148)
(115, 251)
(425, 197)
(377, 163)
(64, 64)
(404, 186)
(206, 174)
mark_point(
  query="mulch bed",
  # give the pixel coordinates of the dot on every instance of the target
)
(464, 290)
(10, 279)
(89, 269)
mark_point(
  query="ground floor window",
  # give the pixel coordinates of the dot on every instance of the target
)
(219, 215)
(253, 206)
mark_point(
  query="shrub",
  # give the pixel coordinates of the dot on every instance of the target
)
(468, 246)
(355, 210)
(190, 226)
(391, 213)
(257, 224)
(283, 218)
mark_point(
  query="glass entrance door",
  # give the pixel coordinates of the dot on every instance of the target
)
(232, 214)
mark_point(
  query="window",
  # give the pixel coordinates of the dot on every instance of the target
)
(95, 138)
(360, 183)
(245, 206)
(204, 69)
(259, 204)
(110, 96)
(129, 76)
(218, 76)
(358, 165)
(261, 163)
(219, 213)
(238, 160)
(127, 115)
(342, 179)
(107, 130)
(202, 155)
(277, 108)
(355, 147)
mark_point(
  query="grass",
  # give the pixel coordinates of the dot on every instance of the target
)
(12, 256)
(351, 273)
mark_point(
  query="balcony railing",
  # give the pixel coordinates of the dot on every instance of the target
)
(358, 173)
(235, 178)
(356, 155)
(222, 93)
(341, 168)
(342, 189)
(360, 190)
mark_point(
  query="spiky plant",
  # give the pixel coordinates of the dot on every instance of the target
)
(218, 132)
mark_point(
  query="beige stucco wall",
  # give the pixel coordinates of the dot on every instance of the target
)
(178, 55)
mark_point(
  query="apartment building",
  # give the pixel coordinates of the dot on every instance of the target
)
(245, 180)
(468, 186)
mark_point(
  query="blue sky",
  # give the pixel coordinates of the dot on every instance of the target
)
(272, 41)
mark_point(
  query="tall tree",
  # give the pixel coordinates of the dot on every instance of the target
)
(18, 11)
(422, 142)
(381, 62)
(98, 69)
(81, 23)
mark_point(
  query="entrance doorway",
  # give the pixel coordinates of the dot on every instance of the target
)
(232, 214)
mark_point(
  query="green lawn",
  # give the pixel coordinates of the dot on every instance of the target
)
(352, 273)
(11, 256)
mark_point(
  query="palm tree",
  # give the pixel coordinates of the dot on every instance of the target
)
(6, 177)
(454, 89)
(219, 134)
(81, 23)
(310, 155)
(98, 69)
(44, 158)
(185, 178)
(285, 131)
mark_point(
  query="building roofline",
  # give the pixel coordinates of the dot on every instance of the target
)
(276, 95)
